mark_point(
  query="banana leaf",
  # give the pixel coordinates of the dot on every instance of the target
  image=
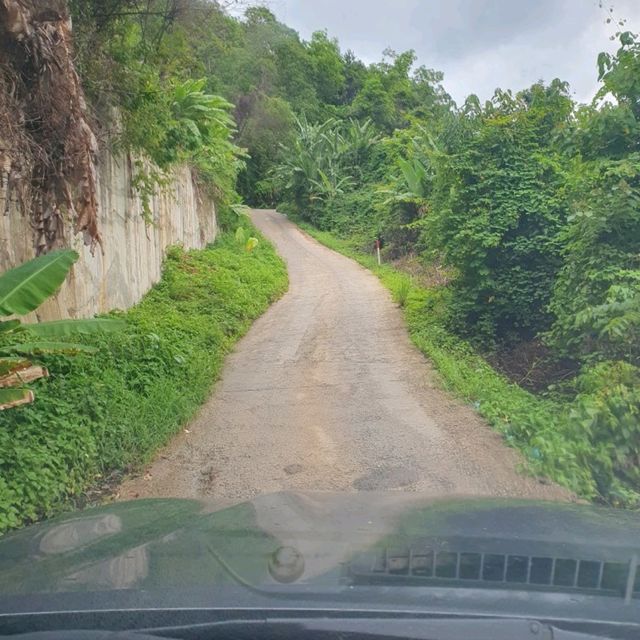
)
(14, 397)
(9, 325)
(35, 348)
(26, 287)
(62, 328)
(11, 365)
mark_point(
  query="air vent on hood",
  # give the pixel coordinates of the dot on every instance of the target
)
(416, 566)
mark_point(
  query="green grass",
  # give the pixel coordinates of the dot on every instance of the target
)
(111, 411)
(537, 426)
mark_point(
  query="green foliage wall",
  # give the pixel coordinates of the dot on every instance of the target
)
(597, 296)
(497, 208)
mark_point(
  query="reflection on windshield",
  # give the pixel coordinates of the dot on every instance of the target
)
(78, 533)
(122, 572)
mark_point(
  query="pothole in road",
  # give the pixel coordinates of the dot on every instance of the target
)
(292, 469)
(208, 479)
(386, 478)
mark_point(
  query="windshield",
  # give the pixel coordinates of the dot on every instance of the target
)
(304, 298)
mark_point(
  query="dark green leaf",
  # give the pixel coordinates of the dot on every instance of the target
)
(9, 325)
(35, 348)
(26, 287)
(61, 328)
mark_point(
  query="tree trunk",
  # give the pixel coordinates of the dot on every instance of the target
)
(42, 88)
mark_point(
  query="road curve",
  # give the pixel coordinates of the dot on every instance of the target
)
(327, 392)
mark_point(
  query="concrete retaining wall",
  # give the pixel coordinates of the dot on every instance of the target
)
(133, 250)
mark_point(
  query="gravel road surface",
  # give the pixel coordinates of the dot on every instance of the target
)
(327, 392)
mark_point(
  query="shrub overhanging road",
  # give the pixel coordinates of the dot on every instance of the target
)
(326, 391)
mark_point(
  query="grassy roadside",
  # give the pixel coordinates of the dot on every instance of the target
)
(539, 427)
(102, 414)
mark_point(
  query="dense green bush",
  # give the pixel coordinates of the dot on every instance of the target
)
(498, 206)
(111, 410)
(597, 295)
(606, 415)
(596, 300)
(354, 214)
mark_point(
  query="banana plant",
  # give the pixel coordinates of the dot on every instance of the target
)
(249, 243)
(204, 114)
(359, 138)
(329, 185)
(411, 186)
(312, 167)
(22, 290)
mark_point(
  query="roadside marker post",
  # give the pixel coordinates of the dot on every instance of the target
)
(378, 251)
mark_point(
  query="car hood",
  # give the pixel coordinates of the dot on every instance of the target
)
(392, 554)
(317, 539)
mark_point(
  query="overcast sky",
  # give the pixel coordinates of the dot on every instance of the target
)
(478, 44)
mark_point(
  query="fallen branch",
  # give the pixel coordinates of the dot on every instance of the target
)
(24, 376)
(26, 397)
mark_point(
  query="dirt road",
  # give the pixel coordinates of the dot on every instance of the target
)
(327, 392)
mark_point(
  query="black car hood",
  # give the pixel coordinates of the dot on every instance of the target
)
(160, 543)
(290, 544)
